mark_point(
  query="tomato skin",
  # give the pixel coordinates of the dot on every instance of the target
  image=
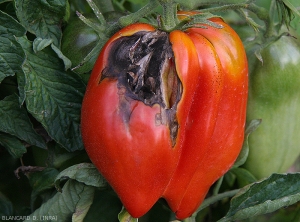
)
(138, 157)
(274, 97)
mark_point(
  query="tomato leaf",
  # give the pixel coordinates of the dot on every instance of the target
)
(106, 206)
(85, 173)
(287, 214)
(13, 117)
(279, 190)
(11, 54)
(13, 145)
(39, 44)
(53, 96)
(42, 18)
(6, 207)
(288, 11)
(124, 216)
(66, 61)
(295, 23)
(72, 204)
(41, 181)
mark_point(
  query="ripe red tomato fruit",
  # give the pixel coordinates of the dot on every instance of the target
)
(164, 113)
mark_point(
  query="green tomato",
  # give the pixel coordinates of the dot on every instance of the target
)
(78, 41)
(274, 97)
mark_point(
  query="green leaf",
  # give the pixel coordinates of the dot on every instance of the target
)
(106, 206)
(14, 146)
(53, 96)
(6, 207)
(39, 44)
(11, 54)
(10, 27)
(124, 216)
(279, 190)
(66, 61)
(42, 18)
(14, 121)
(287, 214)
(41, 181)
(2, 1)
(85, 173)
(70, 205)
(21, 87)
(291, 7)
(295, 23)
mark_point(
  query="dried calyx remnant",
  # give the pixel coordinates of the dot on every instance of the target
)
(145, 69)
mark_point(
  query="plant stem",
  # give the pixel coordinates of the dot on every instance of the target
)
(263, 15)
(260, 12)
(225, 7)
(222, 2)
(215, 198)
(133, 17)
(104, 5)
(99, 28)
(97, 12)
(169, 16)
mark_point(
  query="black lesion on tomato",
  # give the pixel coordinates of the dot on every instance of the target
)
(145, 69)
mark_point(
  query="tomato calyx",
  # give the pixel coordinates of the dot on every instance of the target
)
(143, 64)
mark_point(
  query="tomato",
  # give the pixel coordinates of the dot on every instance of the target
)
(274, 97)
(163, 115)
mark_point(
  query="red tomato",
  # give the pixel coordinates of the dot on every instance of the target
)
(164, 113)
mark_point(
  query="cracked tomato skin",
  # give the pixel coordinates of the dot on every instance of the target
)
(165, 119)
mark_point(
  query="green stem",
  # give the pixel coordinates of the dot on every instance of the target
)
(214, 199)
(218, 186)
(260, 12)
(222, 2)
(99, 28)
(169, 16)
(97, 12)
(104, 5)
(133, 17)
(263, 15)
(225, 7)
